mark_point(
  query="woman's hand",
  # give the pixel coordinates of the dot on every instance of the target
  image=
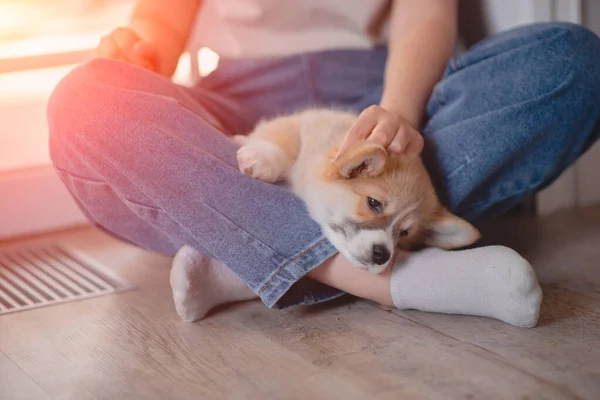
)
(385, 128)
(125, 45)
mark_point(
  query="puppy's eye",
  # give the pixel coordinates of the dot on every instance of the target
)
(404, 232)
(374, 205)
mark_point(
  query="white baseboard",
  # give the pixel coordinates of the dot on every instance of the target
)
(560, 195)
(578, 186)
(34, 201)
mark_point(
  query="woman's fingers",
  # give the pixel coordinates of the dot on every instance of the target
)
(147, 51)
(109, 49)
(385, 131)
(407, 141)
(415, 146)
(124, 45)
(361, 129)
(384, 128)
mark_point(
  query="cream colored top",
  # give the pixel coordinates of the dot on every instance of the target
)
(268, 28)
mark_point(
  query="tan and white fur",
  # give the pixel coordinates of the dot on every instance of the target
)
(367, 201)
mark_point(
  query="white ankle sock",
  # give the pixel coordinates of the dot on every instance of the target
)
(491, 281)
(200, 283)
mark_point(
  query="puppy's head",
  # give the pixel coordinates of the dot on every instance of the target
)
(372, 203)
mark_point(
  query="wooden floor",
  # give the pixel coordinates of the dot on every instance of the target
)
(132, 345)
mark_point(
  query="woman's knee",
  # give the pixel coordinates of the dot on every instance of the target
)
(576, 52)
(553, 49)
(76, 103)
(578, 58)
(555, 66)
(573, 62)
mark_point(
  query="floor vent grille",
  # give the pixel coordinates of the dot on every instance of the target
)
(32, 277)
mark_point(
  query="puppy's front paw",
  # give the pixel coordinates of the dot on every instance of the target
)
(262, 160)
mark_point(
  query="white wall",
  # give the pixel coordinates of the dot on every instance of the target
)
(32, 197)
(505, 14)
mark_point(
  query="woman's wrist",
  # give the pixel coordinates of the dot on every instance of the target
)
(404, 108)
(168, 44)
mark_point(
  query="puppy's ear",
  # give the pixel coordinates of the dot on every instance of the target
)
(363, 159)
(448, 231)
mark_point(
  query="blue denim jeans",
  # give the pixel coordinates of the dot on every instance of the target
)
(141, 160)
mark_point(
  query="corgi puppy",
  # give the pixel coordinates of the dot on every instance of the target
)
(368, 202)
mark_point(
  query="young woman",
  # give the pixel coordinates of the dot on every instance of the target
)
(149, 161)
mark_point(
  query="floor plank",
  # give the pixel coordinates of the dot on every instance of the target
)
(15, 384)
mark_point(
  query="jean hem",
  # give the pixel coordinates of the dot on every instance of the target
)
(295, 269)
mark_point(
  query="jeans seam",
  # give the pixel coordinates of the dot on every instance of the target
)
(453, 65)
(439, 98)
(61, 170)
(255, 239)
(468, 160)
(309, 78)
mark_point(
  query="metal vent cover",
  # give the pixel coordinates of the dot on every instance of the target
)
(38, 276)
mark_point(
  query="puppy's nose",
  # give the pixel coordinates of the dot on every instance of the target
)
(381, 254)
